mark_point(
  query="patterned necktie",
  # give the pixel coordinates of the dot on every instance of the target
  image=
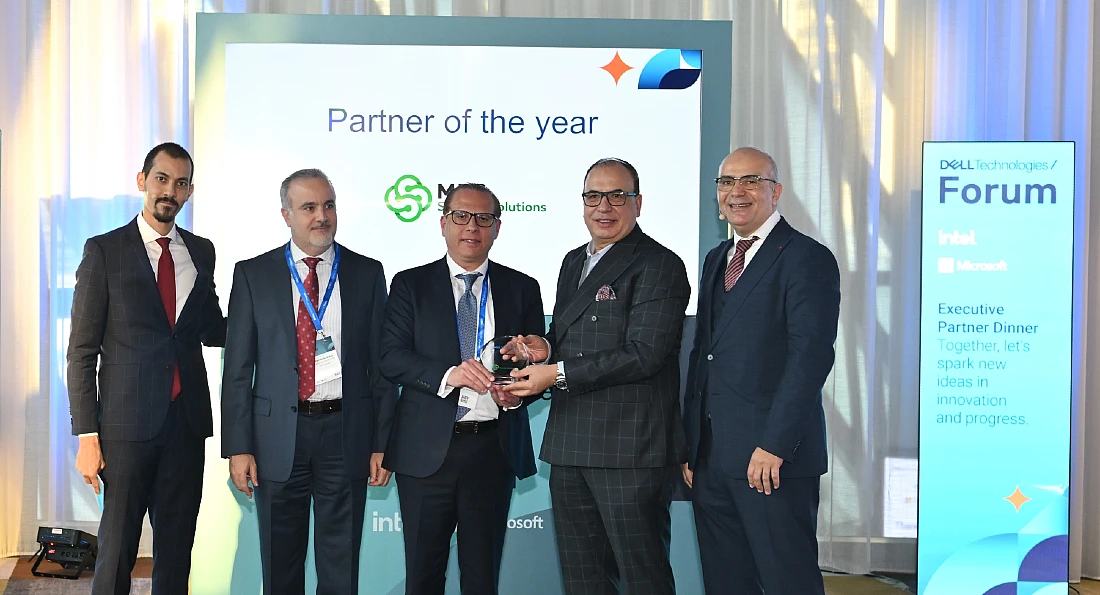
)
(467, 326)
(166, 284)
(737, 263)
(307, 334)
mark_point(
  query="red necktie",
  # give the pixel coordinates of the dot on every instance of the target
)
(166, 283)
(307, 334)
(737, 263)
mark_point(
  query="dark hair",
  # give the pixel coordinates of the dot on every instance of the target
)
(175, 152)
(302, 174)
(472, 186)
(621, 163)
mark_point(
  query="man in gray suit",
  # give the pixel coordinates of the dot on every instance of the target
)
(143, 305)
(305, 411)
(614, 435)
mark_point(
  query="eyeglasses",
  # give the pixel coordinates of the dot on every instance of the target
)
(463, 218)
(615, 198)
(750, 182)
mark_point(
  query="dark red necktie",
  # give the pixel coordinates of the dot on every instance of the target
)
(307, 334)
(166, 283)
(737, 263)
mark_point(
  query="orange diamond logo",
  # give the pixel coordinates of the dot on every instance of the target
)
(1017, 498)
(616, 68)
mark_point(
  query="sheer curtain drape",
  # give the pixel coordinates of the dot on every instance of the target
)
(841, 92)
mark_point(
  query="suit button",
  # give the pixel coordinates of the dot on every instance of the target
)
(593, 319)
(579, 354)
(293, 409)
(710, 357)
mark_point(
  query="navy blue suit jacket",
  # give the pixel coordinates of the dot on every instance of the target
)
(419, 344)
(260, 373)
(758, 369)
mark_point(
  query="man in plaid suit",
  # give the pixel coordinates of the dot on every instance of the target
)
(614, 434)
(144, 303)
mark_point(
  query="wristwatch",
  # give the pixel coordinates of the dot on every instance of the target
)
(559, 381)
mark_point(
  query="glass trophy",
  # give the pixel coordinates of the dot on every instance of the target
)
(514, 357)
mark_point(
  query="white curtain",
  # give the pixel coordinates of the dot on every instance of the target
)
(841, 92)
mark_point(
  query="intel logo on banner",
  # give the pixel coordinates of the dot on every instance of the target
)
(996, 354)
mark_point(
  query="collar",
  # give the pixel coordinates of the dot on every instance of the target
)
(588, 249)
(456, 269)
(148, 234)
(298, 254)
(761, 232)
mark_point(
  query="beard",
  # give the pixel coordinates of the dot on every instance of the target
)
(327, 235)
(168, 215)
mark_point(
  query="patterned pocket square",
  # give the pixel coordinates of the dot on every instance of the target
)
(605, 293)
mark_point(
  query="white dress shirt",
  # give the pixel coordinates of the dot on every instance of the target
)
(591, 259)
(333, 389)
(761, 232)
(186, 273)
(486, 407)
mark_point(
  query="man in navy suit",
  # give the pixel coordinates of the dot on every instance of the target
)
(143, 306)
(305, 410)
(457, 448)
(769, 301)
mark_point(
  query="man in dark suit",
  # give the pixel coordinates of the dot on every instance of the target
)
(769, 301)
(614, 434)
(144, 303)
(457, 447)
(305, 410)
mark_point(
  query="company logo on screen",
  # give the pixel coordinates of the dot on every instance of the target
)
(408, 198)
(671, 69)
(994, 165)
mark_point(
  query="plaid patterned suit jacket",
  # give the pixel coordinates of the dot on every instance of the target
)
(622, 408)
(119, 323)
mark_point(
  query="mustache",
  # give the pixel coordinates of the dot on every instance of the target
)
(322, 226)
(167, 200)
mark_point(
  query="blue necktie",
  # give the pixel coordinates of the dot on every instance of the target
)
(467, 326)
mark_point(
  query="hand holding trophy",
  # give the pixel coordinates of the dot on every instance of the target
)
(504, 354)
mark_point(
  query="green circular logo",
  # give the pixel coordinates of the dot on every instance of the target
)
(408, 198)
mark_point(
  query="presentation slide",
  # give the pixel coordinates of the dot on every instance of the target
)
(995, 368)
(395, 127)
(398, 110)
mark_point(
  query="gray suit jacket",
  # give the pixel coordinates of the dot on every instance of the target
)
(622, 409)
(260, 377)
(118, 322)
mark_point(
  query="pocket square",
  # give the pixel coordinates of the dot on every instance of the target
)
(605, 293)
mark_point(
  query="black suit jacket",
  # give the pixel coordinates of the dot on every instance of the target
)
(419, 344)
(758, 369)
(260, 377)
(118, 320)
(622, 409)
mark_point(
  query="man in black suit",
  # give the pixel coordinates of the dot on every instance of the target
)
(305, 410)
(769, 301)
(614, 434)
(143, 305)
(457, 447)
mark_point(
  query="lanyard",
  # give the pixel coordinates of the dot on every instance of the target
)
(480, 319)
(314, 315)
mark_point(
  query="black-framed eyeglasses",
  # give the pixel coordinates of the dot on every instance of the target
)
(615, 198)
(463, 218)
(750, 182)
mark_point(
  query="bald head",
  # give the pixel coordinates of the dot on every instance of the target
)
(751, 191)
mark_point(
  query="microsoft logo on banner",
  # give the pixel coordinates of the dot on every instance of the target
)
(408, 198)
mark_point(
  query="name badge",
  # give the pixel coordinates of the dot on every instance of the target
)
(326, 362)
(467, 398)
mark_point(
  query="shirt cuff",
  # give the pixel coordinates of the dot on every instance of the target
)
(444, 388)
(88, 434)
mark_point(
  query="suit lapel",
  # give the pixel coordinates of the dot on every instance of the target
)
(281, 294)
(610, 266)
(353, 300)
(442, 306)
(505, 308)
(139, 258)
(202, 277)
(706, 288)
(754, 272)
